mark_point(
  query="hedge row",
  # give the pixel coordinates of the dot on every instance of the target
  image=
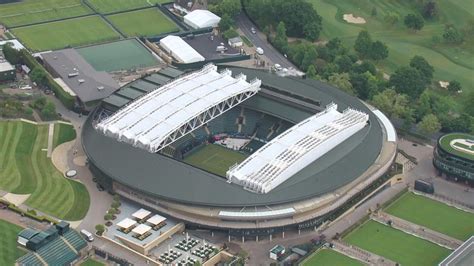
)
(62, 95)
(39, 218)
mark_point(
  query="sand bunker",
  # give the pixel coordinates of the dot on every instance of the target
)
(349, 18)
(443, 84)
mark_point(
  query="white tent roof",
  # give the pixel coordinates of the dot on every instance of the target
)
(141, 213)
(180, 49)
(126, 223)
(200, 18)
(166, 114)
(296, 148)
(156, 219)
(141, 229)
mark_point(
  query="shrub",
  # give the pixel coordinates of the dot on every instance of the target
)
(100, 228)
(115, 204)
(108, 217)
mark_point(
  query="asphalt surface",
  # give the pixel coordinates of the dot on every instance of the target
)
(259, 40)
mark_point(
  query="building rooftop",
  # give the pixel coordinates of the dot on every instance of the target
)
(459, 144)
(180, 50)
(462, 256)
(5, 66)
(87, 83)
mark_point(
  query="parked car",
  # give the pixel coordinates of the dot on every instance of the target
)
(87, 235)
(259, 50)
(253, 30)
(277, 67)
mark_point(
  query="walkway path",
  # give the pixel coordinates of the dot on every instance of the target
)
(361, 254)
(417, 230)
(50, 139)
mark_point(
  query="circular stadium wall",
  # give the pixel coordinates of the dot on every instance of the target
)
(206, 200)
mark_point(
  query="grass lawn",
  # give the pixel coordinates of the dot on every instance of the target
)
(450, 62)
(434, 215)
(396, 245)
(66, 33)
(120, 55)
(63, 133)
(9, 252)
(34, 11)
(146, 22)
(214, 158)
(109, 6)
(328, 257)
(25, 169)
(91, 262)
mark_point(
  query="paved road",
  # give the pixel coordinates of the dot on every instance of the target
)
(259, 40)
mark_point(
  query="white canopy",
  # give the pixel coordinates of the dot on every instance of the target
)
(200, 18)
(126, 223)
(156, 219)
(180, 50)
(141, 229)
(141, 214)
(168, 113)
(296, 148)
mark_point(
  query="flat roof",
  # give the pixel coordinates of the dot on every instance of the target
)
(15, 44)
(150, 121)
(6, 66)
(87, 83)
(180, 182)
(180, 50)
(461, 256)
(297, 147)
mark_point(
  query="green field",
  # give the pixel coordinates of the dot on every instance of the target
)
(396, 245)
(327, 257)
(34, 11)
(66, 33)
(434, 215)
(91, 262)
(109, 6)
(9, 253)
(450, 62)
(25, 169)
(214, 158)
(120, 55)
(146, 22)
(63, 133)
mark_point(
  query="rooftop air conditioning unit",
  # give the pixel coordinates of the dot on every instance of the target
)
(100, 88)
(74, 74)
(81, 81)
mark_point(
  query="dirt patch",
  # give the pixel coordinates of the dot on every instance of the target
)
(349, 18)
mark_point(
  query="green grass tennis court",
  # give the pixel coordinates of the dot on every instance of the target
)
(327, 257)
(119, 55)
(145, 22)
(9, 253)
(396, 245)
(25, 169)
(109, 6)
(91, 262)
(34, 11)
(66, 33)
(434, 215)
(214, 158)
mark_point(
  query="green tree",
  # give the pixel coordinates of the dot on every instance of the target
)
(115, 204)
(38, 75)
(424, 67)
(391, 103)
(344, 63)
(312, 30)
(468, 100)
(429, 124)
(364, 85)
(378, 51)
(430, 10)
(309, 57)
(311, 72)
(226, 7)
(452, 35)
(365, 66)
(391, 18)
(11, 54)
(414, 21)
(108, 217)
(454, 86)
(100, 228)
(49, 110)
(230, 33)
(281, 40)
(374, 12)
(112, 211)
(363, 43)
(341, 81)
(408, 80)
(225, 23)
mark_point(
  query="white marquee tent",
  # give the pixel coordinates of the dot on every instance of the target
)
(199, 19)
(180, 50)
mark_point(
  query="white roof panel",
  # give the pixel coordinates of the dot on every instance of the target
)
(296, 148)
(200, 18)
(126, 223)
(180, 49)
(156, 219)
(151, 119)
(141, 213)
(141, 229)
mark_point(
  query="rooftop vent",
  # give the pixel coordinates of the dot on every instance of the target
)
(81, 81)
(74, 74)
(100, 88)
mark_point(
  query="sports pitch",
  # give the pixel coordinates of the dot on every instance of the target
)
(34, 11)
(109, 6)
(327, 257)
(9, 253)
(120, 55)
(434, 215)
(214, 158)
(25, 169)
(146, 22)
(396, 245)
(66, 33)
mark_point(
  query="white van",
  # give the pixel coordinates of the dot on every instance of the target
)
(87, 235)
(259, 50)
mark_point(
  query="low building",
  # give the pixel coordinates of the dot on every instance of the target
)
(79, 78)
(7, 71)
(180, 50)
(454, 157)
(200, 18)
(462, 256)
(277, 252)
(235, 42)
